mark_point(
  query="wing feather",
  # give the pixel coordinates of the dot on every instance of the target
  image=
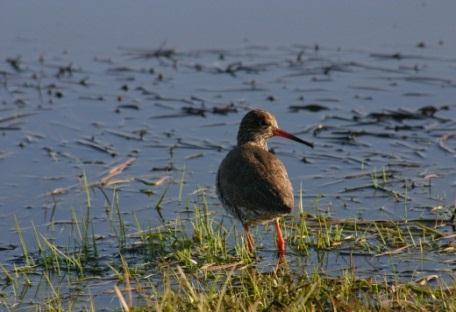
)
(256, 182)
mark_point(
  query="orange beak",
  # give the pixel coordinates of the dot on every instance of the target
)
(284, 134)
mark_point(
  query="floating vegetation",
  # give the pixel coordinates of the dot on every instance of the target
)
(196, 263)
(107, 201)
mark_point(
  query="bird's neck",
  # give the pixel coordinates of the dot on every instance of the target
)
(263, 144)
(252, 138)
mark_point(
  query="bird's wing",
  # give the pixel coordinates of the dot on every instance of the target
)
(255, 180)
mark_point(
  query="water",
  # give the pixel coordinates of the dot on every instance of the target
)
(80, 76)
(87, 29)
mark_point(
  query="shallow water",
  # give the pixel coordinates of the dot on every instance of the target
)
(377, 115)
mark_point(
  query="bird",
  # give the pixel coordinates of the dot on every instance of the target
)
(252, 183)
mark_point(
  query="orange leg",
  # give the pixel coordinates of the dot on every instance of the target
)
(249, 239)
(280, 241)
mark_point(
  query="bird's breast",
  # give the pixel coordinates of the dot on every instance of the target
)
(256, 181)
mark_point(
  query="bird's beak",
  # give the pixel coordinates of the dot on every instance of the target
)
(284, 134)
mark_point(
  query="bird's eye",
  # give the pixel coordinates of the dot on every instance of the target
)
(262, 123)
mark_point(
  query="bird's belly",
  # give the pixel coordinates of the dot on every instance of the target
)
(250, 191)
(251, 216)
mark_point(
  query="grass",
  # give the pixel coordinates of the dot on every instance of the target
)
(197, 264)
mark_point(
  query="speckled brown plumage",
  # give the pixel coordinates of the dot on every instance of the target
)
(252, 183)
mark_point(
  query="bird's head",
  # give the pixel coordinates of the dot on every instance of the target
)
(258, 126)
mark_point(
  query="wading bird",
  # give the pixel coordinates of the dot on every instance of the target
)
(252, 183)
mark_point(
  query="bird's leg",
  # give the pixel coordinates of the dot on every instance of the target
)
(280, 241)
(249, 239)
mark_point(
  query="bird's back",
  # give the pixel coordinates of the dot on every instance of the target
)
(253, 185)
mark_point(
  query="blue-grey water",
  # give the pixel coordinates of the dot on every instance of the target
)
(371, 84)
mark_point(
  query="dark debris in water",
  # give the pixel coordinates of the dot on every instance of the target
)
(98, 145)
(7, 247)
(161, 52)
(403, 114)
(309, 107)
(384, 126)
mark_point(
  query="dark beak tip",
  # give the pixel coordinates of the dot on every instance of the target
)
(310, 144)
(282, 133)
